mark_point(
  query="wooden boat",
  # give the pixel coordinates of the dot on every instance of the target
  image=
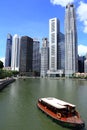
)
(62, 112)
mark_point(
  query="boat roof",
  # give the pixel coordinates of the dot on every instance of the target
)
(56, 102)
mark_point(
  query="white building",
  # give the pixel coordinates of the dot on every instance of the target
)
(71, 54)
(15, 53)
(54, 39)
(54, 25)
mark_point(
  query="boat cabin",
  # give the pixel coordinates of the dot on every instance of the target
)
(58, 106)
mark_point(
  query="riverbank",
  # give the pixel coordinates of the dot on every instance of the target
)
(5, 82)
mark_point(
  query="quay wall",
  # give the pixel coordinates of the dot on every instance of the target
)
(5, 82)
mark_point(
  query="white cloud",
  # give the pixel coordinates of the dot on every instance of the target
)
(3, 60)
(82, 50)
(82, 15)
(61, 2)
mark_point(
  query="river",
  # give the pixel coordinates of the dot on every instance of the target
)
(18, 109)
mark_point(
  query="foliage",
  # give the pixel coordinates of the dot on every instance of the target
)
(1, 64)
(15, 72)
(7, 73)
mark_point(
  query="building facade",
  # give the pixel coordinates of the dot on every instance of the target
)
(36, 56)
(81, 61)
(8, 51)
(85, 64)
(15, 53)
(61, 51)
(26, 55)
(54, 25)
(56, 42)
(44, 57)
(71, 54)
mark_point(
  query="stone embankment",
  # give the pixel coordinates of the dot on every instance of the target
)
(5, 82)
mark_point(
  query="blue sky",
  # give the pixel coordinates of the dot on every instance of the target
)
(31, 17)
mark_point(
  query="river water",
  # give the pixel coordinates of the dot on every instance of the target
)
(18, 109)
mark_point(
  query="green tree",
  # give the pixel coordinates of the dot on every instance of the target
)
(1, 64)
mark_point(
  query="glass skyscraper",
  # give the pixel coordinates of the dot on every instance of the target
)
(15, 53)
(8, 51)
(61, 51)
(71, 55)
(36, 56)
(26, 55)
(44, 57)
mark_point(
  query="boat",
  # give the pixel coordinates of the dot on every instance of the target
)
(62, 112)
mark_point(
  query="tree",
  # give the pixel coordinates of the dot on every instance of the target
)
(1, 64)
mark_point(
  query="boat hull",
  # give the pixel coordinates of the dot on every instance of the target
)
(59, 121)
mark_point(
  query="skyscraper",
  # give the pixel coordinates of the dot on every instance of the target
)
(15, 53)
(85, 64)
(36, 56)
(54, 25)
(55, 48)
(71, 55)
(44, 57)
(61, 51)
(8, 51)
(26, 55)
(81, 61)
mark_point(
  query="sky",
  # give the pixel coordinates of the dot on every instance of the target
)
(31, 18)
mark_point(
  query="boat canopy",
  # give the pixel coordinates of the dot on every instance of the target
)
(56, 102)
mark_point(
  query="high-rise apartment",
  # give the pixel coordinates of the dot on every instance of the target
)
(15, 53)
(44, 57)
(71, 55)
(36, 56)
(8, 51)
(26, 55)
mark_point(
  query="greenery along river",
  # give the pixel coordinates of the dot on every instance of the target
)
(18, 109)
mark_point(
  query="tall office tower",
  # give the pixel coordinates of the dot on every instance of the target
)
(26, 55)
(71, 55)
(15, 53)
(44, 57)
(81, 61)
(8, 51)
(54, 25)
(61, 51)
(54, 30)
(36, 56)
(85, 64)
(45, 42)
